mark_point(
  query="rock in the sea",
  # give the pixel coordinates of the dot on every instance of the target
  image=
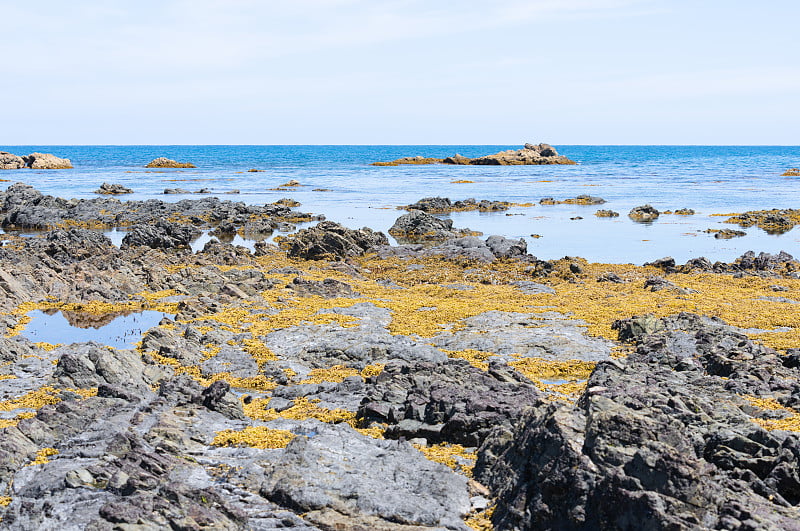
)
(530, 154)
(453, 401)
(113, 189)
(162, 235)
(46, 161)
(332, 241)
(421, 226)
(665, 439)
(606, 214)
(9, 161)
(643, 214)
(457, 159)
(164, 162)
(443, 205)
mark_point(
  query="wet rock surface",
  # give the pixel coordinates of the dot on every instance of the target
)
(329, 240)
(663, 439)
(421, 226)
(113, 189)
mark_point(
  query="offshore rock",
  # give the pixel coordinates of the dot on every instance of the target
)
(164, 162)
(643, 214)
(46, 161)
(453, 401)
(529, 155)
(364, 483)
(660, 440)
(113, 189)
(443, 205)
(9, 161)
(332, 241)
(162, 235)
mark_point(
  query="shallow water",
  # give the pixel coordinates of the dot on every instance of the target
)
(709, 179)
(113, 330)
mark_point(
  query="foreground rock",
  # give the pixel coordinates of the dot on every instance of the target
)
(332, 241)
(164, 162)
(665, 439)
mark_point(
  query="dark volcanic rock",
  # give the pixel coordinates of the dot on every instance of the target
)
(660, 440)
(421, 226)
(453, 401)
(329, 288)
(331, 241)
(162, 235)
(443, 205)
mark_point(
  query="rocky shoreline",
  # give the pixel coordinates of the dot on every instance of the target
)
(334, 381)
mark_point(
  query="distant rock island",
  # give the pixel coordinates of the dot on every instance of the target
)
(530, 154)
(35, 161)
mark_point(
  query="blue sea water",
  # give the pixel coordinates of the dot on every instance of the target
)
(708, 179)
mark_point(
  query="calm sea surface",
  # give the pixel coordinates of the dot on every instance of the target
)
(708, 179)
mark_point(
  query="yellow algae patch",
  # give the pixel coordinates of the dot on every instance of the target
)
(482, 520)
(338, 373)
(372, 370)
(257, 409)
(32, 400)
(461, 181)
(7, 423)
(7, 377)
(42, 456)
(259, 351)
(376, 432)
(542, 369)
(255, 437)
(789, 423)
(304, 408)
(476, 358)
(447, 455)
(5, 500)
(47, 346)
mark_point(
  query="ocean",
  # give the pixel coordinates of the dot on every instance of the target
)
(339, 181)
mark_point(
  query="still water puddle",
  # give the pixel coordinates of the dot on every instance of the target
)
(118, 330)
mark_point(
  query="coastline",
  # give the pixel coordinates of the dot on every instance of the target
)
(459, 382)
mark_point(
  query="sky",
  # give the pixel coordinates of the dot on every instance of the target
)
(400, 72)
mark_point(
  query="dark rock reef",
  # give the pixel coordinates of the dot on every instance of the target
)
(530, 154)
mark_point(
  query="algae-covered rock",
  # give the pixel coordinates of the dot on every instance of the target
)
(332, 241)
(164, 162)
(643, 214)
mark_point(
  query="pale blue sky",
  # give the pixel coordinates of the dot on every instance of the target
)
(400, 72)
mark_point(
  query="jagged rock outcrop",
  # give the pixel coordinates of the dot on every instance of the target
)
(162, 235)
(665, 439)
(421, 226)
(452, 401)
(332, 241)
(443, 205)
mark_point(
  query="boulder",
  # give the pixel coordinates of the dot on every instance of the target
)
(421, 226)
(457, 159)
(164, 162)
(329, 240)
(46, 161)
(643, 214)
(113, 189)
(162, 235)
(9, 161)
